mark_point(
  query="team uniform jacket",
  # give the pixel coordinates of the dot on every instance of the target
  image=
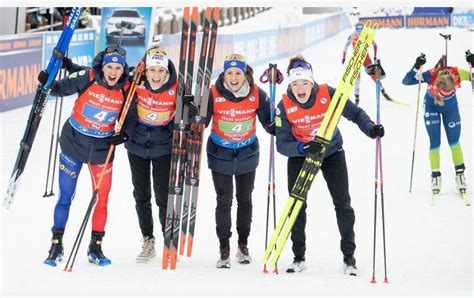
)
(153, 134)
(85, 135)
(232, 147)
(307, 118)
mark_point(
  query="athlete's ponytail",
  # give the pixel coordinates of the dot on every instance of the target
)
(444, 82)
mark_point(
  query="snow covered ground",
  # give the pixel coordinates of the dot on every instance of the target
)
(429, 249)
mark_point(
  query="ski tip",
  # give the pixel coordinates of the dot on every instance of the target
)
(195, 14)
(209, 13)
(190, 246)
(181, 244)
(186, 13)
(165, 259)
(173, 260)
(216, 13)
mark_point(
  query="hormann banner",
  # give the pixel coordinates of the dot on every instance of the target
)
(20, 63)
(386, 22)
(427, 21)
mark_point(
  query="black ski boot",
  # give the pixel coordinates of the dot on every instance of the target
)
(94, 252)
(56, 252)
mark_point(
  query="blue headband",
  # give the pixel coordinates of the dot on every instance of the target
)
(235, 63)
(113, 58)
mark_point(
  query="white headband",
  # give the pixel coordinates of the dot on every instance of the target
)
(300, 73)
(156, 59)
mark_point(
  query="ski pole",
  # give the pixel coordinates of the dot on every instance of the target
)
(56, 146)
(51, 143)
(62, 75)
(416, 125)
(136, 80)
(446, 38)
(273, 76)
(378, 178)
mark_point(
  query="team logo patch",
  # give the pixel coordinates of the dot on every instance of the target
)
(451, 124)
(324, 100)
(115, 59)
(292, 110)
(252, 98)
(277, 111)
(171, 92)
(220, 99)
(233, 63)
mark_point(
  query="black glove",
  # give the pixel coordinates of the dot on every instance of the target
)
(470, 58)
(118, 138)
(188, 100)
(313, 147)
(343, 60)
(420, 60)
(371, 68)
(377, 131)
(67, 64)
(43, 77)
(270, 128)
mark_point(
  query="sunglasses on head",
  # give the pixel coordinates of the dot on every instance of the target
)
(154, 51)
(302, 64)
(238, 57)
(115, 49)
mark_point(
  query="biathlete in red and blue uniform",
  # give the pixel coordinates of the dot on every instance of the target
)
(86, 137)
(352, 40)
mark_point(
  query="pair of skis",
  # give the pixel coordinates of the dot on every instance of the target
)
(39, 104)
(324, 135)
(188, 135)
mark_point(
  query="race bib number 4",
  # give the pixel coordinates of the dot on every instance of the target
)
(235, 127)
(98, 115)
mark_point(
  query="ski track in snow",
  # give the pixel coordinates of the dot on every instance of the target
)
(428, 248)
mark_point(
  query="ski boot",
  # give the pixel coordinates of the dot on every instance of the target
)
(435, 186)
(56, 252)
(298, 265)
(462, 186)
(349, 266)
(243, 256)
(94, 252)
(224, 260)
(148, 250)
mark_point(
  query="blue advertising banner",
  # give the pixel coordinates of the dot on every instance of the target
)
(462, 19)
(20, 63)
(427, 21)
(135, 38)
(386, 22)
(81, 48)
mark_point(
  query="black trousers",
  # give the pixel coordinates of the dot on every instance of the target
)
(160, 169)
(224, 190)
(334, 171)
